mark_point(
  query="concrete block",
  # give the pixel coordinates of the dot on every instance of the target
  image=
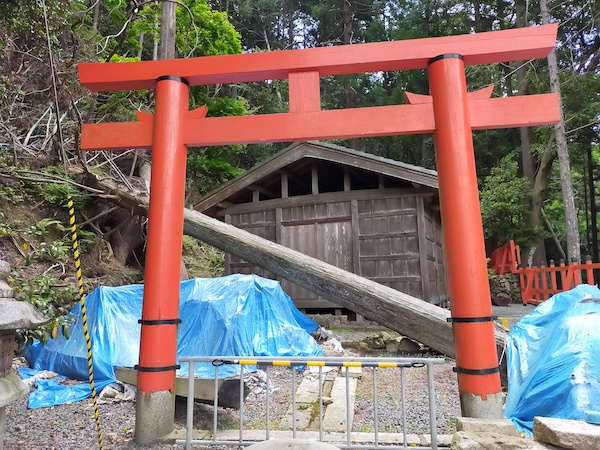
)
(572, 434)
(473, 405)
(500, 426)
(154, 416)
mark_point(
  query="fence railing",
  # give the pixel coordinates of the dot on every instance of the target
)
(505, 259)
(540, 283)
(347, 439)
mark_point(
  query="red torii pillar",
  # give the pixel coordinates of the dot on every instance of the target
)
(450, 113)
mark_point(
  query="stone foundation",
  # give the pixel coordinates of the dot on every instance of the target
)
(506, 286)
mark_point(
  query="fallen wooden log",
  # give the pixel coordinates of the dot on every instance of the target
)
(403, 313)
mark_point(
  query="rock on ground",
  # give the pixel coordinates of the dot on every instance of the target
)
(571, 434)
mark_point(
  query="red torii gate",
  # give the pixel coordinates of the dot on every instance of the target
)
(450, 113)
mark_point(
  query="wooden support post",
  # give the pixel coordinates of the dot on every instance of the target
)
(471, 307)
(160, 311)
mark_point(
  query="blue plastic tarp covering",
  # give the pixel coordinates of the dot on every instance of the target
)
(553, 359)
(237, 315)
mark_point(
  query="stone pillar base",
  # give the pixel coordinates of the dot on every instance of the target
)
(154, 416)
(472, 405)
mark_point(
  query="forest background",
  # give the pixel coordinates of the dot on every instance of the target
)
(537, 184)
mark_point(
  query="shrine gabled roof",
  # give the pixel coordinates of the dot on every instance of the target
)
(325, 152)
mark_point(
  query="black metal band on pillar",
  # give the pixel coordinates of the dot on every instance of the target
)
(156, 369)
(159, 321)
(471, 319)
(173, 78)
(445, 56)
(489, 371)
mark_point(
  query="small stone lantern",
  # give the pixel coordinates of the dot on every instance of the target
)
(13, 315)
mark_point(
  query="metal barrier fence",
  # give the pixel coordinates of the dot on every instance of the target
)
(400, 364)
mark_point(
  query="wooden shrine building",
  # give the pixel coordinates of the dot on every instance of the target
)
(373, 216)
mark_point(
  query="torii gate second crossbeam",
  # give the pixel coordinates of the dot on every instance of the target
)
(450, 113)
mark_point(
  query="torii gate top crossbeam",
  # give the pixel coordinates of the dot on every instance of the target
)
(492, 47)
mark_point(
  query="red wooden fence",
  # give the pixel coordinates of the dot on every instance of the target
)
(505, 259)
(541, 283)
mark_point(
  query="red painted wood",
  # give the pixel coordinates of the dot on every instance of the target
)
(304, 91)
(464, 249)
(481, 48)
(415, 99)
(508, 112)
(158, 343)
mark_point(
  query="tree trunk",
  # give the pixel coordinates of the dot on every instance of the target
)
(479, 27)
(536, 253)
(349, 92)
(573, 242)
(593, 210)
(96, 14)
(141, 44)
(538, 195)
(166, 48)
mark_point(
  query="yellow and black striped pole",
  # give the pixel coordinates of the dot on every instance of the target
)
(84, 319)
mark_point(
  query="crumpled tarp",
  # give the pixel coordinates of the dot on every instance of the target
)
(553, 359)
(237, 315)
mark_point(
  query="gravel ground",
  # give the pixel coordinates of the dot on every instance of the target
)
(72, 427)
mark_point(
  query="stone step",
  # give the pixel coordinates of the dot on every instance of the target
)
(335, 414)
(334, 407)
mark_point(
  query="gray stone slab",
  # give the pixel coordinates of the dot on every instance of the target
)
(355, 372)
(500, 426)
(572, 434)
(304, 415)
(292, 444)
(336, 438)
(335, 414)
(467, 440)
(308, 392)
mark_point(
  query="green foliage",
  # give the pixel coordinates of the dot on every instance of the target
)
(49, 297)
(202, 260)
(204, 32)
(5, 230)
(55, 250)
(505, 205)
(209, 169)
(10, 195)
(59, 193)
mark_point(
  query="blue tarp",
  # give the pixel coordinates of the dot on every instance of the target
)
(237, 315)
(553, 359)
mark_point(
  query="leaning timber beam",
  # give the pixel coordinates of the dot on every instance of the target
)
(403, 313)
(396, 310)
